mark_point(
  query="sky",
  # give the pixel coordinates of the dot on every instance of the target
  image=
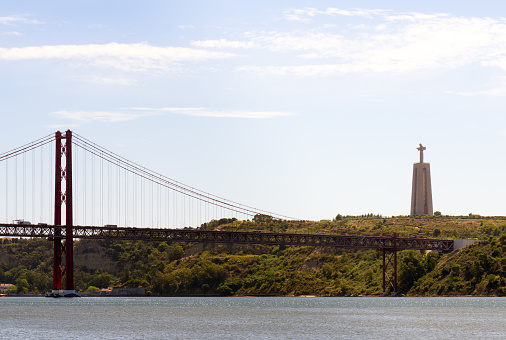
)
(304, 108)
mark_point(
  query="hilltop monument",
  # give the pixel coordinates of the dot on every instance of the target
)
(421, 195)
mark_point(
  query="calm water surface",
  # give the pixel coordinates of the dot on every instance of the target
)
(252, 318)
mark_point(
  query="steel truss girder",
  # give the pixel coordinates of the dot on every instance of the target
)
(387, 243)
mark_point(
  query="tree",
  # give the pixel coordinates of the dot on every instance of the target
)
(22, 285)
(488, 227)
(410, 270)
(175, 252)
(102, 280)
(437, 213)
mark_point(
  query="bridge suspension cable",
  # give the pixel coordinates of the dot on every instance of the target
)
(108, 189)
(190, 194)
(27, 147)
(27, 187)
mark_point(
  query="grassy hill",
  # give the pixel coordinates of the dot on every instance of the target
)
(207, 269)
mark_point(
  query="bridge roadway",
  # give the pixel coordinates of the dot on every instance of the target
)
(389, 243)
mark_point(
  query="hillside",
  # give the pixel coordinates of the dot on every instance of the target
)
(207, 269)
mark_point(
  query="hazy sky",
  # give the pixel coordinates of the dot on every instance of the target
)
(304, 108)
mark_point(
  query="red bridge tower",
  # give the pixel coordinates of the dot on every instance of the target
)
(60, 198)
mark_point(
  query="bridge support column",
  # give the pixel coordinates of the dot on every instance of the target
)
(63, 197)
(69, 237)
(57, 253)
(57, 245)
(390, 260)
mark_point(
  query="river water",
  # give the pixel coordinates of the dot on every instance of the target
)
(252, 318)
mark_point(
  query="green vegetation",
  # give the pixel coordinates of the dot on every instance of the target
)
(479, 269)
(92, 289)
(209, 269)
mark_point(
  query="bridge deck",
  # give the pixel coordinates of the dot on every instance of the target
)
(241, 237)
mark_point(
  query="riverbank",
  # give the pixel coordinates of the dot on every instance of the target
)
(200, 269)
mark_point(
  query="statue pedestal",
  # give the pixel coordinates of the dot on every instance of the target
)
(421, 195)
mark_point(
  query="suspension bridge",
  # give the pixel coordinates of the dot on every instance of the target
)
(106, 196)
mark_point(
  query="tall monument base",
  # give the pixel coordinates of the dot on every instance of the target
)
(421, 196)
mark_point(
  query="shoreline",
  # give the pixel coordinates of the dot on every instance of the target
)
(264, 295)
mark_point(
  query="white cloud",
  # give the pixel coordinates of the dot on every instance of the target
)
(305, 70)
(413, 17)
(101, 116)
(206, 112)
(96, 26)
(13, 33)
(185, 27)
(302, 15)
(129, 114)
(115, 80)
(137, 51)
(495, 92)
(394, 43)
(308, 13)
(131, 57)
(313, 41)
(370, 41)
(18, 19)
(223, 43)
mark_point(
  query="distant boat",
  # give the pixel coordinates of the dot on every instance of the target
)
(63, 293)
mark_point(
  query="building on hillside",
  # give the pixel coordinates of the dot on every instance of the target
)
(4, 287)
